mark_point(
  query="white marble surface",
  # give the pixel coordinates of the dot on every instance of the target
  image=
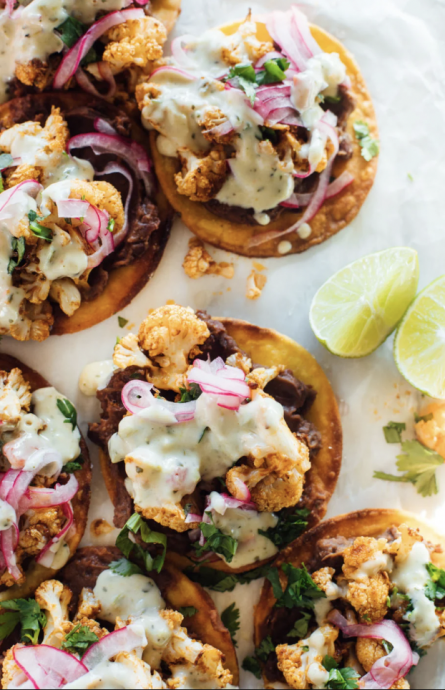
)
(399, 46)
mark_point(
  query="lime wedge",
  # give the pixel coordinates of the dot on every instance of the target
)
(357, 309)
(419, 347)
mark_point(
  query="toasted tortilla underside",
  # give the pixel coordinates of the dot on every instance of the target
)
(335, 213)
(126, 282)
(363, 523)
(167, 11)
(176, 589)
(268, 347)
(37, 573)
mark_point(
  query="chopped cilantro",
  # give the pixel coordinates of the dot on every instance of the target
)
(435, 588)
(2, 189)
(301, 591)
(387, 646)
(37, 229)
(219, 581)
(121, 321)
(370, 147)
(27, 612)
(274, 71)
(230, 618)
(222, 481)
(424, 418)
(270, 134)
(252, 663)
(79, 640)
(125, 568)
(191, 393)
(340, 678)
(188, 611)
(393, 432)
(18, 247)
(332, 99)
(216, 541)
(410, 177)
(68, 410)
(74, 465)
(6, 161)
(244, 77)
(289, 527)
(300, 626)
(111, 224)
(207, 428)
(70, 32)
(419, 466)
(137, 525)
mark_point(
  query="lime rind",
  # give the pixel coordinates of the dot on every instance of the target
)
(357, 309)
(419, 345)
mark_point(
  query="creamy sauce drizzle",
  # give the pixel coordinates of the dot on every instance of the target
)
(96, 376)
(60, 435)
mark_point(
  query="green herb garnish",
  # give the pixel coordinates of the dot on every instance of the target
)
(231, 619)
(70, 32)
(273, 71)
(216, 541)
(301, 626)
(121, 321)
(28, 613)
(111, 224)
(38, 229)
(191, 393)
(74, 465)
(188, 611)
(301, 591)
(419, 466)
(393, 432)
(424, 418)
(340, 678)
(252, 663)
(6, 161)
(435, 588)
(125, 568)
(18, 247)
(136, 525)
(370, 147)
(68, 410)
(218, 581)
(79, 640)
(288, 528)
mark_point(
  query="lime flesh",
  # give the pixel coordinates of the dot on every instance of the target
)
(359, 307)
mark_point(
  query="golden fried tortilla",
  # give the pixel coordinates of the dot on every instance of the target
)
(363, 523)
(335, 213)
(124, 283)
(36, 573)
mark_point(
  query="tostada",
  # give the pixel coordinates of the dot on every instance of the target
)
(223, 435)
(263, 134)
(44, 483)
(82, 227)
(105, 624)
(354, 603)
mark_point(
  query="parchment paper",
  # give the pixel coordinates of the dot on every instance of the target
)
(400, 48)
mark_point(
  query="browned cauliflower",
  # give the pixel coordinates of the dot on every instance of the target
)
(259, 378)
(54, 598)
(298, 662)
(12, 675)
(145, 92)
(40, 526)
(361, 552)
(127, 353)
(135, 42)
(171, 336)
(172, 516)
(35, 322)
(88, 606)
(198, 262)
(66, 294)
(241, 361)
(34, 73)
(201, 178)
(214, 117)
(245, 46)
(15, 396)
(368, 581)
(15, 176)
(368, 652)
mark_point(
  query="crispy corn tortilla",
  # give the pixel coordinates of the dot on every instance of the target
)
(363, 523)
(176, 589)
(126, 282)
(36, 573)
(167, 11)
(335, 213)
(268, 347)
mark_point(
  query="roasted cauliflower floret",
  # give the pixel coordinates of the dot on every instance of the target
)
(368, 652)
(182, 654)
(172, 516)
(34, 323)
(244, 45)
(201, 178)
(127, 353)
(15, 396)
(198, 262)
(135, 42)
(12, 675)
(21, 173)
(323, 579)
(145, 93)
(140, 675)
(301, 668)
(171, 335)
(241, 361)
(34, 73)
(364, 557)
(210, 118)
(40, 527)
(54, 598)
(84, 622)
(259, 378)
(256, 282)
(66, 294)
(431, 432)
(88, 606)
(370, 597)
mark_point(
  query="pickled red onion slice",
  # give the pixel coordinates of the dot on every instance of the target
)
(137, 396)
(48, 667)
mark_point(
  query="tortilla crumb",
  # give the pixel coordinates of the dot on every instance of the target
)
(100, 527)
(198, 262)
(255, 285)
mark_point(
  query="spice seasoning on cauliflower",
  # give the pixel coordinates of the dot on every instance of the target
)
(198, 262)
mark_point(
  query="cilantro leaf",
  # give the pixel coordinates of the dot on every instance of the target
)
(79, 640)
(6, 161)
(38, 229)
(188, 611)
(70, 32)
(370, 147)
(301, 590)
(274, 71)
(343, 679)
(18, 247)
(230, 618)
(288, 527)
(301, 626)
(244, 77)
(435, 588)
(393, 432)
(125, 568)
(329, 663)
(219, 581)
(216, 541)
(111, 224)
(424, 418)
(252, 665)
(332, 99)
(270, 134)
(137, 525)
(189, 394)
(121, 321)
(27, 612)
(419, 465)
(68, 410)
(74, 465)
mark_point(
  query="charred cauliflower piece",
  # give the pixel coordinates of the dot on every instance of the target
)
(171, 336)
(301, 664)
(54, 598)
(127, 353)
(256, 282)
(34, 73)
(201, 178)
(34, 323)
(365, 568)
(21, 173)
(214, 117)
(172, 516)
(259, 378)
(66, 294)
(15, 396)
(198, 262)
(245, 46)
(241, 361)
(135, 42)
(140, 673)
(368, 652)
(88, 606)
(12, 675)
